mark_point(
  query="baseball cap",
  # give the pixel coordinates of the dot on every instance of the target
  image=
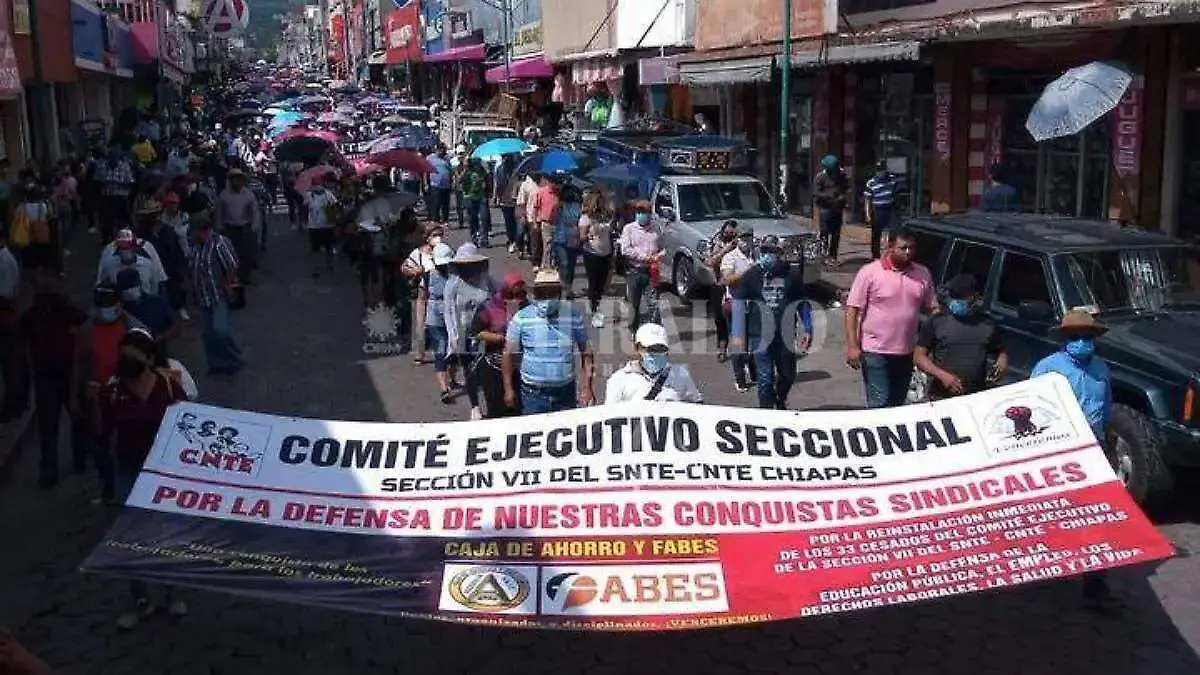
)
(651, 335)
(127, 279)
(443, 254)
(961, 286)
(170, 198)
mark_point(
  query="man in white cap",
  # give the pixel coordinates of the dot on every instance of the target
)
(130, 252)
(652, 377)
(545, 335)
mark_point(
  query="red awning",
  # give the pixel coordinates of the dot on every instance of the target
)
(530, 68)
(466, 53)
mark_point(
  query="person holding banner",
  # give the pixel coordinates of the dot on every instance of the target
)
(1091, 383)
(652, 377)
(132, 408)
(546, 335)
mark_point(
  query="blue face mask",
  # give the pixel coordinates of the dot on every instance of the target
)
(768, 261)
(1080, 349)
(107, 314)
(653, 363)
(958, 307)
(642, 219)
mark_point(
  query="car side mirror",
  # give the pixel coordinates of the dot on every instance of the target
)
(667, 212)
(1036, 311)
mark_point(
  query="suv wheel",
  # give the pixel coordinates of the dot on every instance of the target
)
(683, 277)
(1134, 450)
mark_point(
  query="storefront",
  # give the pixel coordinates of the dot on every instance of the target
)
(12, 127)
(453, 50)
(402, 44)
(38, 33)
(102, 47)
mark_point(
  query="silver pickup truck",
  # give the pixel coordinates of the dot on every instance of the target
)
(693, 208)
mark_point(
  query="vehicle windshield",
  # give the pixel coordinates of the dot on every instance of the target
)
(718, 201)
(1133, 280)
(479, 137)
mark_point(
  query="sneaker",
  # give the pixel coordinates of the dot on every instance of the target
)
(130, 620)
(177, 608)
(597, 320)
(742, 387)
(183, 314)
(476, 413)
(512, 248)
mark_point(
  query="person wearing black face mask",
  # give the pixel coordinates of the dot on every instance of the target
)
(132, 407)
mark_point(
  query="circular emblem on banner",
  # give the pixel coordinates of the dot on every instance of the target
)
(226, 17)
(489, 589)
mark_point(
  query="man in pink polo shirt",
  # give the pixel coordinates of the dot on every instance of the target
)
(882, 313)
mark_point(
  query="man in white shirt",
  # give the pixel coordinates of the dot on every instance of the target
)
(130, 252)
(525, 194)
(320, 202)
(733, 266)
(652, 377)
(239, 217)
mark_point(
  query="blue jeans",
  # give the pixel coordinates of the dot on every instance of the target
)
(480, 223)
(886, 378)
(220, 346)
(776, 366)
(551, 398)
(437, 340)
(438, 201)
(566, 258)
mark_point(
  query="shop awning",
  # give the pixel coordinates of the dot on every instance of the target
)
(864, 53)
(530, 68)
(729, 71)
(474, 52)
(595, 70)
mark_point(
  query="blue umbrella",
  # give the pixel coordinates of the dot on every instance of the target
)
(551, 161)
(1076, 99)
(499, 147)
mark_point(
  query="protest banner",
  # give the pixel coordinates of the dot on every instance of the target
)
(632, 517)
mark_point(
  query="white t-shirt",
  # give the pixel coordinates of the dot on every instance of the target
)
(422, 261)
(734, 262)
(147, 263)
(317, 201)
(631, 383)
(599, 239)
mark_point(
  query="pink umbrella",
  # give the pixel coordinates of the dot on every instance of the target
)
(364, 168)
(307, 133)
(405, 160)
(335, 118)
(310, 178)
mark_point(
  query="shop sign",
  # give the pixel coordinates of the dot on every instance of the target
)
(528, 39)
(1127, 129)
(459, 24)
(21, 24)
(941, 119)
(994, 153)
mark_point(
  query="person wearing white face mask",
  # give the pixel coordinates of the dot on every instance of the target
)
(416, 268)
(652, 376)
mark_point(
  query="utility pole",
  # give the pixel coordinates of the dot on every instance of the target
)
(506, 10)
(785, 91)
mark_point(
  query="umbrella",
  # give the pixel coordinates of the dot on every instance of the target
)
(242, 112)
(395, 119)
(551, 161)
(335, 118)
(303, 145)
(405, 160)
(387, 205)
(1076, 99)
(500, 146)
(310, 178)
(275, 112)
(409, 138)
(364, 168)
(619, 177)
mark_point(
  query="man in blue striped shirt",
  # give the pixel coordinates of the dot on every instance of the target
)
(546, 334)
(879, 196)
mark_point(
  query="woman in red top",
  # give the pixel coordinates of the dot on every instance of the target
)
(489, 327)
(131, 409)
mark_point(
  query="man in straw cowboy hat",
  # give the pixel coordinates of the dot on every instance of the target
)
(1089, 378)
(545, 335)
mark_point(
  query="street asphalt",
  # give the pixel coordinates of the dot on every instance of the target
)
(304, 340)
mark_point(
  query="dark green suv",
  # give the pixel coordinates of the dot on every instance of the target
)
(1145, 286)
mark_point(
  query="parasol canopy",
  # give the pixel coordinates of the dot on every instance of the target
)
(405, 160)
(1079, 97)
(387, 206)
(310, 178)
(494, 149)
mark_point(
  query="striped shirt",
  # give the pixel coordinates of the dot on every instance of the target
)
(212, 262)
(546, 338)
(881, 189)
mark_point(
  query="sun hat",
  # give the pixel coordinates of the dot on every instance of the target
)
(1078, 323)
(443, 254)
(148, 207)
(651, 335)
(547, 277)
(236, 173)
(468, 253)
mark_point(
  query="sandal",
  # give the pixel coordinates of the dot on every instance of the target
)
(722, 355)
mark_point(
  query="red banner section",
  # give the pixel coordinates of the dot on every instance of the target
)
(611, 519)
